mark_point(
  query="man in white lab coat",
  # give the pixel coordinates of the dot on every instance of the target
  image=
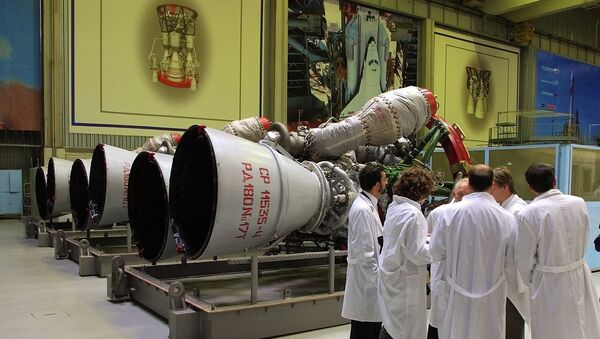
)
(438, 303)
(551, 240)
(517, 304)
(474, 241)
(461, 188)
(404, 258)
(364, 230)
(504, 191)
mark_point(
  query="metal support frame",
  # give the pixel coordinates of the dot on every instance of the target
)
(331, 270)
(60, 249)
(254, 279)
(182, 319)
(87, 262)
(116, 282)
(44, 239)
(162, 289)
(47, 231)
(94, 254)
(31, 229)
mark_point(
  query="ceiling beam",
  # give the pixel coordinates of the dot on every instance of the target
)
(497, 7)
(546, 7)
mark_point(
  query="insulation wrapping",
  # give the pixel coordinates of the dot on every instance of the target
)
(165, 143)
(253, 129)
(381, 121)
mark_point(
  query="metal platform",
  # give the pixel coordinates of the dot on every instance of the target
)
(40, 229)
(251, 297)
(48, 232)
(94, 254)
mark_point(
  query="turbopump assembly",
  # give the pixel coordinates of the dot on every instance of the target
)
(228, 194)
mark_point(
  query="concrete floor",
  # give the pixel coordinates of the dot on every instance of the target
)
(42, 297)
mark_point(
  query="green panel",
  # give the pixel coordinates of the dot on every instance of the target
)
(518, 160)
(585, 173)
(477, 157)
(489, 27)
(436, 12)
(477, 24)
(405, 6)
(536, 41)
(421, 8)
(555, 46)
(464, 21)
(545, 43)
(439, 162)
(589, 57)
(450, 17)
(388, 4)
(425, 69)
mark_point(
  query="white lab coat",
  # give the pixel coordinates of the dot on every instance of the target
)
(474, 241)
(403, 270)
(516, 290)
(514, 204)
(551, 240)
(437, 283)
(364, 227)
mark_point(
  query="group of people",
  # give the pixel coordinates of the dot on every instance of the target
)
(496, 261)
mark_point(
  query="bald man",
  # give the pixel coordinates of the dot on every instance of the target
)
(473, 240)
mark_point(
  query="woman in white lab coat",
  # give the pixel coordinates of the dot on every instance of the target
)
(404, 259)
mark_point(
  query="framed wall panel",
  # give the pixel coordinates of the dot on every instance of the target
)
(453, 53)
(112, 88)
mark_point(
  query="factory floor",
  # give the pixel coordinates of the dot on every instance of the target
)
(42, 297)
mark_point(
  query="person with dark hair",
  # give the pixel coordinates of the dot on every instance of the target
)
(404, 258)
(550, 242)
(540, 177)
(517, 303)
(473, 239)
(364, 228)
(434, 221)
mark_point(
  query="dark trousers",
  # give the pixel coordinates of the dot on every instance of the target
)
(364, 329)
(515, 325)
(432, 333)
(383, 334)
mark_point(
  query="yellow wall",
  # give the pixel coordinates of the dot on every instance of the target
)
(112, 40)
(453, 52)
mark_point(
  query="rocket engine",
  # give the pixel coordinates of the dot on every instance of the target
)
(148, 198)
(228, 194)
(79, 192)
(57, 187)
(255, 185)
(39, 197)
(109, 177)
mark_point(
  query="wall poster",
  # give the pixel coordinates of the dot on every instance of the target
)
(341, 54)
(20, 66)
(568, 86)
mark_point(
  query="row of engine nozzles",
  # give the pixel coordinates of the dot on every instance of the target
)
(227, 194)
(219, 194)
